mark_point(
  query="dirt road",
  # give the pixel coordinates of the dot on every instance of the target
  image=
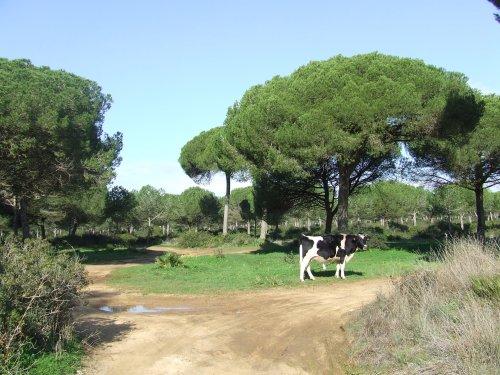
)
(278, 331)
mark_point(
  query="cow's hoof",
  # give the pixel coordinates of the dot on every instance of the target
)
(343, 277)
(337, 276)
(301, 280)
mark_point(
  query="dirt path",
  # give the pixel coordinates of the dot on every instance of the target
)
(279, 331)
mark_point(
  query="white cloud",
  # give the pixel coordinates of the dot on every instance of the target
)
(166, 175)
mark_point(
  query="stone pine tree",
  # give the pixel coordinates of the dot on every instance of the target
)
(464, 149)
(209, 153)
(333, 126)
(51, 137)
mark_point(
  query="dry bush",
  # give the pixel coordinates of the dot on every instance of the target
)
(39, 290)
(434, 322)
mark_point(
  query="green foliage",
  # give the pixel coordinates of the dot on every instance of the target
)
(198, 207)
(193, 239)
(209, 153)
(464, 148)
(451, 200)
(332, 126)
(64, 363)
(169, 259)
(39, 291)
(242, 203)
(119, 205)
(155, 207)
(487, 287)
(51, 138)
(389, 200)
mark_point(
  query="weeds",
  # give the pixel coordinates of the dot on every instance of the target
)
(169, 260)
(440, 321)
(219, 254)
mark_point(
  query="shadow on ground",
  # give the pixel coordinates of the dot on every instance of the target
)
(98, 331)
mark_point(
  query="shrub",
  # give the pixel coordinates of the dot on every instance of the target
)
(239, 239)
(39, 289)
(192, 238)
(434, 321)
(169, 260)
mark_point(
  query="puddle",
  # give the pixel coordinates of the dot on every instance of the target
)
(140, 309)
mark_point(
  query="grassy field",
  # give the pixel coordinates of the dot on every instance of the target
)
(206, 274)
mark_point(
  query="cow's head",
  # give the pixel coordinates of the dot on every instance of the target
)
(361, 241)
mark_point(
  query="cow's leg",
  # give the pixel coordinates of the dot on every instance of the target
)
(309, 272)
(304, 264)
(324, 266)
(342, 269)
(337, 269)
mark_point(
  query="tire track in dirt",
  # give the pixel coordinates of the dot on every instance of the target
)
(279, 331)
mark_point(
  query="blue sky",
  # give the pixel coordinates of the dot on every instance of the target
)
(173, 67)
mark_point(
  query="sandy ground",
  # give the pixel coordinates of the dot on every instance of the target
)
(275, 331)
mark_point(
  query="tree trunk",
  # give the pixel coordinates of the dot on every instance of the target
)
(308, 224)
(15, 220)
(328, 222)
(462, 221)
(73, 228)
(481, 224)
(327, 206)
(414, 219)
(263, 229)
(248, 227)
(168, 229)
(344, 187)
(149, 222)
(42, 229)
(23, 211)
(226, 203)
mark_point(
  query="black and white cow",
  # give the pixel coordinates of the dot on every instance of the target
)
(337, 248)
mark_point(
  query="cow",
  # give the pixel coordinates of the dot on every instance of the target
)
(337, 248)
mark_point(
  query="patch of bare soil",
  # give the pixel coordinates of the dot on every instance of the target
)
(278, 331)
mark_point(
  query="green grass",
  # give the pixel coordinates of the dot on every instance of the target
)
(206, 274)
(65, 363)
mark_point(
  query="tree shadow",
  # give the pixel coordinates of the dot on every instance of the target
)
(331, 273)
(103, 257)
(275, 247)
(97, 331)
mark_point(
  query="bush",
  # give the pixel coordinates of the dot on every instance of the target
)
(39, 289)
(435, 322)
(169, 260)
(191, 239)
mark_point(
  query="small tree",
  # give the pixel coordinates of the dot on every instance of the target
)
(209, 153)
(198, 207)
(119, 207)
(242, 202)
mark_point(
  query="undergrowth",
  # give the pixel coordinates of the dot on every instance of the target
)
(440, 321)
